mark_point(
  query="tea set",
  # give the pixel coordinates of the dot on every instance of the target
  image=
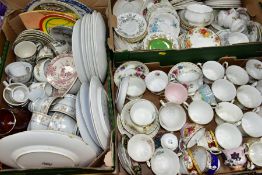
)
(212, 106)
(168, 25)
(66, 112)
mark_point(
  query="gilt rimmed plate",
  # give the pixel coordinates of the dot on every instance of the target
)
(61, 73)
(130, 68)
(131, 26)
(53, 5)
(134, 129)
(164, 22)
(201, 37)
(45, 149)
(160, 41)
(50, 21)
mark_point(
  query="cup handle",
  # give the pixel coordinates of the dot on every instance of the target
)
(225, 64)
(200, 65)
(254, 84)
(162, 103)
(185, 104)
(148, 163)
(238, 123)
(232, 101)
(250, 165)
(5, 83)
(257, 109)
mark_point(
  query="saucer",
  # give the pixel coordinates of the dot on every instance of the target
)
(121, 94)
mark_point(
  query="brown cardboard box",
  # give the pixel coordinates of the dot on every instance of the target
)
(11, 28)
(211, 126)
(209, 53)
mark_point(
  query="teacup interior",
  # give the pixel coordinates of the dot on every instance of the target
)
(25, 49)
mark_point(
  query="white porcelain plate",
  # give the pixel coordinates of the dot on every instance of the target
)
(45, 149)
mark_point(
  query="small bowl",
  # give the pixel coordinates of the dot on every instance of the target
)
(156, 81)
(141, 147)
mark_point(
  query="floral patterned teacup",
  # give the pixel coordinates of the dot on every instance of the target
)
(209, 142)
(235, 158)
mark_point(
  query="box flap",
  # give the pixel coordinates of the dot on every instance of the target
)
(254, 8)
(20, 4)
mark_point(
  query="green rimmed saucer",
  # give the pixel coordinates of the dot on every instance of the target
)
(160, 41)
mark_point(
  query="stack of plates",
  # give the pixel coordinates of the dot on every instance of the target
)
(223, 3)
(92, 114)
(89, 47)
(182, 4)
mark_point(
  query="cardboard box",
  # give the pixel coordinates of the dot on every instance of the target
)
(11, 28)
(201, 54)
(225, 170)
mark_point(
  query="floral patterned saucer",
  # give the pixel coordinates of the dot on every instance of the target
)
(160, 41)
(61, 73)
(130, 68)
(164, 22)
(201, 37)
(131, 26)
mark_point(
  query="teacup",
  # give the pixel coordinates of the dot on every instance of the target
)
(249, 96)
(156, 81)
(169, 141)
(40, 90)
(209, 142)
(254, 68)
(19, 72)
(223, 90)
(213, 70)
(62, 122)
(237, 75)
(205, 161)
(187, 165)
(143, 112)
(229, 112)
(200, 112)
(15, 94)
(39, 121)
(41, 105)
(26, 50)
(68, 100)
(61, 47)
(253, 152)
(165, 161)
(198, 14)
(136, 87)
(228, 136)
(172, 117)
(188, 74)
(190, 134)
(230, 17)
(238, 25)
(141, 147)
(205, 93)
(40, 70)
(258, 85)
(221, 16)
(235, 158)
(7, 122)
(75, 87)
(176, 93)
(44, 53)
(251, 124)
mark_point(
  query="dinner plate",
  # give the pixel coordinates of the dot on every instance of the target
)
(97, 119)
(45, 149)
(77, 52)
(50, 21)
(61, 72)
(52, 5)
(83, 128)
(85, 109)
(100, 47)
(84, 36)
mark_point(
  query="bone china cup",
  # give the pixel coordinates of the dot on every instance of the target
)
(25, 50)
(169, 141)
(252, 124)
(19, 72)
(237, 75)
(228, 136)
(143, 112)
(249, 96)
(254, 152)
(235, 158)
(198, 14)
(229, 112)
(156, 81)
(136, 87)
(213, 70)
(141, 147)
(223, 90)
(176, 93)
(172, 117)
(165, 162)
